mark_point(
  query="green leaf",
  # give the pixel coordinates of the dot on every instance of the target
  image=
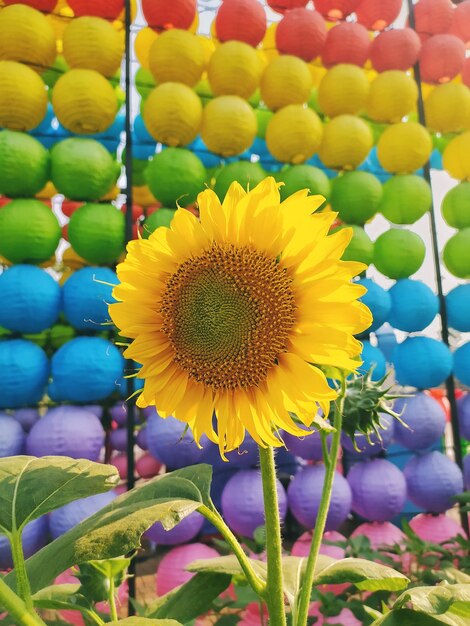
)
(31, 487)
(293, 569)
(365, 575)
(56, 597)
(191, 599)
(201, 477)
(437, 600)
(407, 617)
(228, 565)
(95, 577)
(143, 621)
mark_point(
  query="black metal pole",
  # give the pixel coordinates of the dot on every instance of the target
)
(129, 228)
(450, 383)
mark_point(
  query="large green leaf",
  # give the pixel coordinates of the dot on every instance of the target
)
(31, 487)
(366, 575)
(201, 476)
(437, 600)
(407, 617)
(293, 570)
(228, 565)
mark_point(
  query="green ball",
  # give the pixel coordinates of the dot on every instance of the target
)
(175, 175)
(399, 253)
(204, 91)
(377, 129)
(313, 103)
(144, 82)
(308, 177)
(456, 206)
(255, 99)
(360, 247)
(29, 231)
(456, 254)
(160, 217)
(24, 164)
(52, 75)
(405, 199)
(263, 117)
(60, 334)
(97, 233)
(244, 172)
(82, 169)
(356, 196)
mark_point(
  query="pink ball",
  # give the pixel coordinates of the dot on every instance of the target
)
(345, 618)
(147, 466)
(380, 534)
(120, 463)
(251, 616)
(302, 546)
(436, 528)
(172, 571)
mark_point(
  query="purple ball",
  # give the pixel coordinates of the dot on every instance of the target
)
(308, 447)
(183, 532)
(170, 444)
(34, 538)
(247, 454)
(68, 516)
(425, 418)
(118, 413)
(118, 439)
(378, 490)
(12, 437)
(27, 418)
(141, 438)
(67, 431)
(463, 409)
(242, 502)
(305, 492)
(466, 472)
(96, 409)
(219, 480)
(377, 446)
(433, 481)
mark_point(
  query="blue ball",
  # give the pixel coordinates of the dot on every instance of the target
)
(68, 516)
(45, 125)
(187, 529)
(24, 370)
(462, 364)
(34, 538)
(209, 159)
(30, 299)
(386, 341)
(463, 410)
(143, 151)
(372, 357)
(422, 362)
(458, 308)
(436, 160)
(169, 443)
(414, 305)
(86, 296)
(425, 419)
(140, 130)
(85, 369)
(12, 436)
(378, 300)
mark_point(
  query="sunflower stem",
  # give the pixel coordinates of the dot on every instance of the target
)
(275, 587)
(16, 608)
(331, 461)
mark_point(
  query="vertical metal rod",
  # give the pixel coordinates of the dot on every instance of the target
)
(450, 383)
(129, 228)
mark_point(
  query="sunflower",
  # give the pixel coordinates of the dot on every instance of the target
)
(230, 315)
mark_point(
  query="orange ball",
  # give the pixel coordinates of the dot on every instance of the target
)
(241, 20)
(346, 43)
(302, 33)
(281, 6)
(433, 17)
(441, 58)
(165, 14)
(375, 15)
(395, 49)
(336, 9)
(107, 9)
(460, 26)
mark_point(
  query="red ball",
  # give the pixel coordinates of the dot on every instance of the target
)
(441, 58)
(460, 26)
(378, 15)
(302, 33)
(107, 9)
(433, 17)
(336, 9)
(40, 5)
(241, 20)
(281, 6)
(165, 14)
(147, 467)
(347, 42)
(137, 211)
(396, 49)
(69, 206)
(466, 73)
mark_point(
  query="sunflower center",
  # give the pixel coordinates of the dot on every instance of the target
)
(227, 314)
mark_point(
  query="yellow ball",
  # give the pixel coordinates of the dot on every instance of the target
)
(84, 102)
(347, 141)
(208, 47)
(286, 80)
(143, 196)
(456, 157)
(268, 45)
(91, 43)
(447, 108)
(142, 44)
(404, 147)
(393, 95)
(26, 36)
(177, 56)
(343, 90)
(228, 125)
(173, 114)
(23, 97)
(234, 69)
(294, 134)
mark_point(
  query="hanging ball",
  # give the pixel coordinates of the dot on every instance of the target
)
(285, 80)
(67, 517)
(347, 140)
(447, 108)
(399, 253)
(281, 6)
(462, 364)
(304, 494)
(29, 231)
(463, 411)
(336, 9)
(107, 9)
(33, 538)
(455, 254)
(460, 25)
(96, 232)
(244, 172)
(12, 436)
(393, 95)
(425, 421)
(414, 305)
(395, 49)
(441, 58)
(373, 360)
(294, 134)
(436, 528)
(299, 177)
(26, 36)
(360, 248)
(343, 89)
(158, 219)
(348, 42)
(433, 481)
(380, 534)
(24, 370)
(458, 309)
(378, 15)
(302, 33)
(456, 206)
(308, 447)
(142, 43)
(171, 443)
(241, 20)
(176, 176)
(433, 17)
(163, 15)
(456, 157)
(405, 199)
(172, 569)
(228, 125)
(23, 97)
(234, 70)
(378, 300)
(356, 196)
(186, 530)
(173, 114)
(24, 164)
(422, 362)
(176, 56)
(86, 296)
(404, 147)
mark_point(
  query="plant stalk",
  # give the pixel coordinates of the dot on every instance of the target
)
(330, 464)
(275, 587)
(22, 581)
(16, 608)
(112, 600)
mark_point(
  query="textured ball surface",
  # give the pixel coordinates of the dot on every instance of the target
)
(12, 437)
(302, 33)
(23, 97)
(374, 445)
(378, 300)
(176, 56)
(414, 305)
(348, 42)
(455, 253)
(456, 206)
(189, 527)
(161, 14)
(447, 108)
(399, 253)
(294, 134)
(286, 80)
(24, 369)
(347, 140)
(234, 70)
(304, 176)
(86, 296)
(244, 172)
(241, 20)
(395, 49)
(343, 89)
(435, 528)
(458, 308)
(360, 248)
(169, 443)
(422, 362)
(96, 232)
(175, 175)
(393, 95)
(308, 447)
(404, 147)
(425, 419)
(441, 58)
(456, 157)
(24, 164)
(372, 359)
(228, 125)
(462, 364)
(356, 196)
(405, 199)
(160, 218)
